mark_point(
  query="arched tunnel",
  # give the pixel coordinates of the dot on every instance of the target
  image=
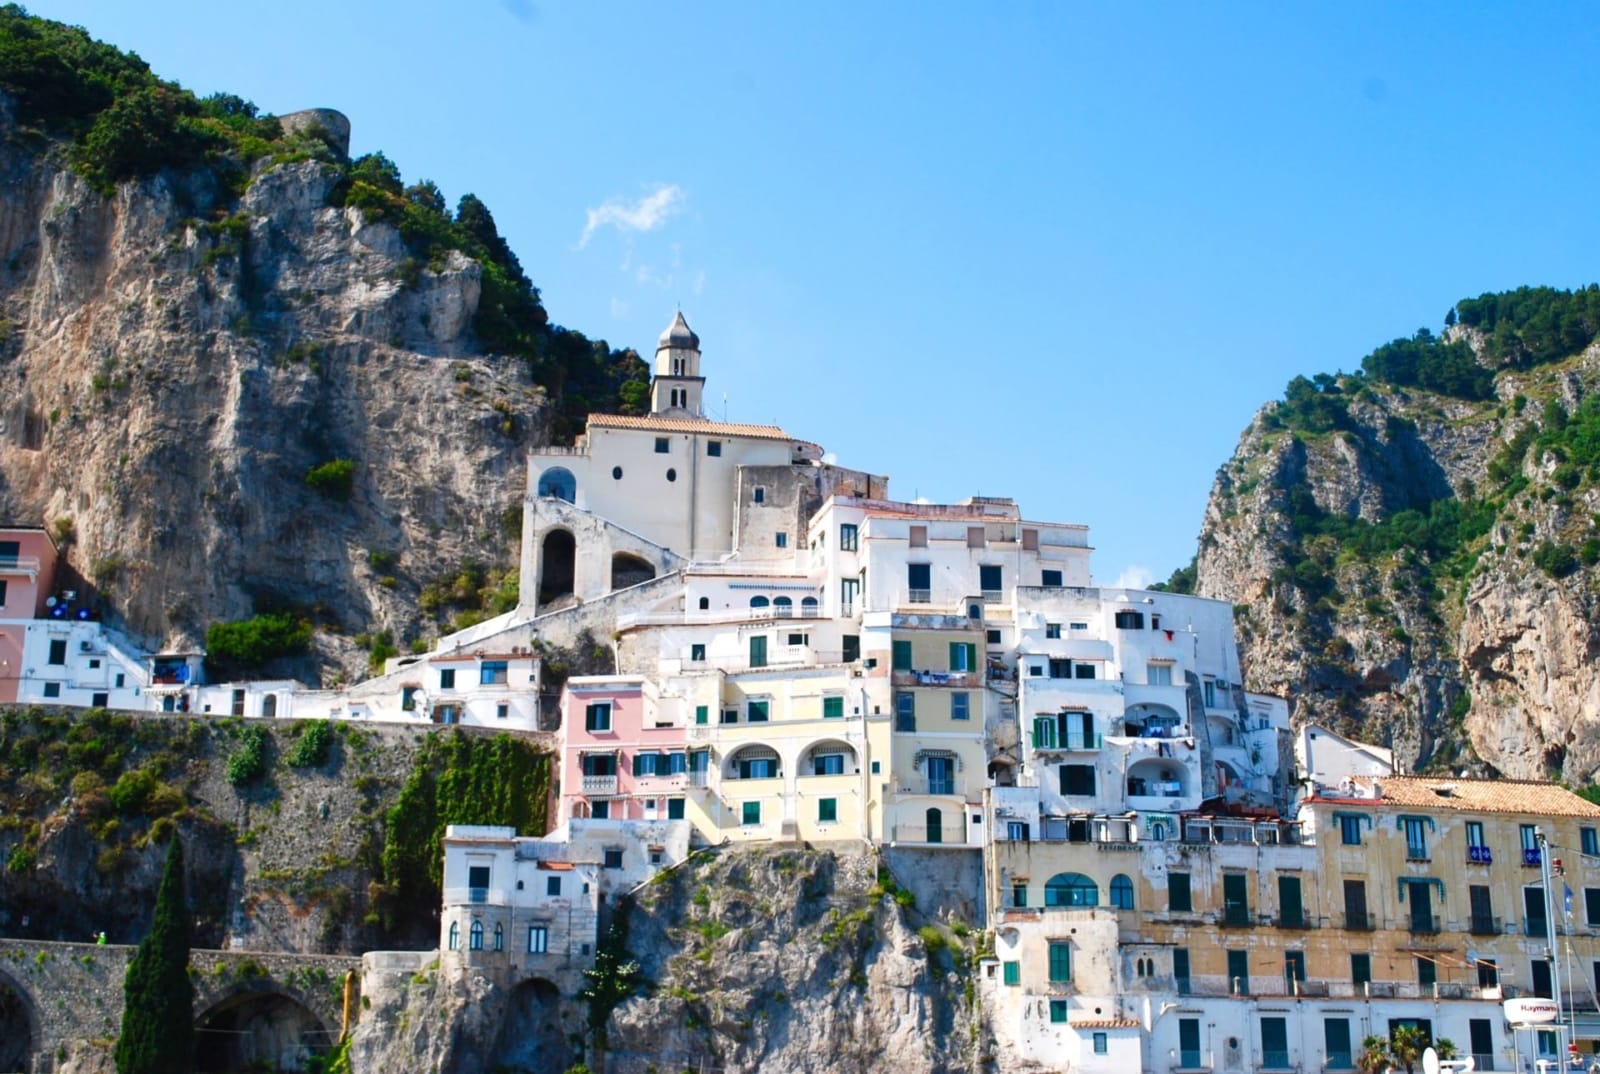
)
(258, 1030)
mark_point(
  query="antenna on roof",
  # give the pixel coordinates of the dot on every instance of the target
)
(724, 406)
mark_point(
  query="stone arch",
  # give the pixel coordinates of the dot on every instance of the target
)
(538, 1030)
(628, 569)
(269, 706)
(825, 748)
(558, 565)
(258, 1024)
(558, 483)
(733, 767)
(19, 1025)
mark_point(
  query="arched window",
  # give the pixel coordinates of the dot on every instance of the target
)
(1071, 889)
(455, 935)
(499, 937)
(269, 706)
(558, 483)
(1158, 830)
(935, 821)
(808, 607)
(783, 607)
(1121, 892)
(475, 940)
(705, 603)
(759, 602)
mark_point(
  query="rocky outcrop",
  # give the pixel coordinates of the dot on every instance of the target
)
(1483, 656)
(176, 362)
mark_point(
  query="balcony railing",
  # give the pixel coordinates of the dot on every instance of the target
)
(599, 785)
(1071, 743)
(1424, 924)
(1479, 856)
(1359, 922)
(15, 564)
(1192, 1060)
(965, 679)
(921, 833)
(1483, 1061)
(1301, 920)
(1274, 1060)
(1236, 915)
(477, 894)
(1483, 925)
(992, 596)
(919, 596)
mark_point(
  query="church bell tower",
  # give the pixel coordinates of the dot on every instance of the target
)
(677, 389)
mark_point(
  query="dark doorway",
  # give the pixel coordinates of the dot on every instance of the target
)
(557, 565)
(258, 1031)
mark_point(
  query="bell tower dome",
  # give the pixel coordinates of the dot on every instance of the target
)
(677, 388)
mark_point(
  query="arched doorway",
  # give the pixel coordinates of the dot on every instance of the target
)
(935, 820)
(558, 558)
(538, 1030)
(16, 1028)
(558, 483)
(258, 1030)
(628, 569)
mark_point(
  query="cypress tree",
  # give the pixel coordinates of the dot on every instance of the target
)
(158, 998)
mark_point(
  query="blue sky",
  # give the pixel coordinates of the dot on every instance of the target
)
(1055, 251)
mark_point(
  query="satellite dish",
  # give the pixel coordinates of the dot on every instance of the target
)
(1430, 1061)
(50, 602)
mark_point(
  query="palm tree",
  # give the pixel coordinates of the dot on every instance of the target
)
(1407, 1045)
(1374, 1057)
(1445, 1048)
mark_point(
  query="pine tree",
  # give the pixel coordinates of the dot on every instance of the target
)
(158, 998)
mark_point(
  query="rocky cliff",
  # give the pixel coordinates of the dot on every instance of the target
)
(1418, 567)
(200, 306)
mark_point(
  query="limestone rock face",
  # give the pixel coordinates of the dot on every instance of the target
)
(174, 364)
(1488, 658)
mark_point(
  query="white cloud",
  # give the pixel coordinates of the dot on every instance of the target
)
(700, 282)
(1134, 576)
(619, 309)
(646, 214)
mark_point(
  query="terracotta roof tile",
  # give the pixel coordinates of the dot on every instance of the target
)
(686, 425)
(1107, 1023)
(1484, 796)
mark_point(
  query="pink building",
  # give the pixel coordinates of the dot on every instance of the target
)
(622, 758)
(27, 578)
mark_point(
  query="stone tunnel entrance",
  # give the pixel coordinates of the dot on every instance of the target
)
(557, 565)
(629, 570)
(538, 1030)
(253, 1031)
(16, 1029)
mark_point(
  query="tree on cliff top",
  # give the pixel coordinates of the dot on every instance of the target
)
(158, 998)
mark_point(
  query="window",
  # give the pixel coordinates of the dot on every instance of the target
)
(58, 651)
(447, 678)
(1209, 688)
(600, 809)
(1294, 968)
(599, 764)
(52, 689)
(1158, 674)
(758, 768)
(1050, 579)
(2, 592)
(697, 653)
(1129, 620)
(796, 641)
(1058, 1011)
(475, 937)
(1235, 899)
(1077, 779)
(1239, 973)
(1179, 899)
(756, 711)
(1052, 630)
(100, 701)
(1071, 889)
(750, 813)
(827, 810)
(1355, 906)
(758, 650)
(612, 859)
(991, 637)
(499, 937)
(1291, 908)
(917, 537)
(122, 681)
(1474, 836)
(502, 710)
(729, 716)
(848, 537)
(1044, 732)
(782, 539)
(492, 672)
(616, 473)
(674, 808)
(989, 578)
(759, 495)
(960, 701)
(1011, 973)
(901, 651)
(238, 703)
(1336, 1043)
(919, 583)
(663, 445)
(1019, 894)
(1180, 971)
(833, 708)
(975, 537)
(1350, 830)
(827, 764)
(1591, 905)
(714, 448)
(672, 475)
(1361, 969)
(1588, 837)
(1416, 838)
(597, 717)
(851, 648)
(455, 935)
(1480, 1038)
(849, 589)
(1082, 670)
(1121, 892)
(905, 711)
(941, 775)
(552, 885)
(1101, 1043)
(963, 656)
(538, 939)
(1427, 972)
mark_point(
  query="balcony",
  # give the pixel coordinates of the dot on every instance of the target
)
(992, 596)
(1423, 924)
(1359, 922)
(19, 565)
(1296, 921)
(477, 894)
(919, 596)
(1275, 1061)
(1237, 916)
(1193, 1060)
(1076, 742)
(1483, 925)
(599, 785)
(968, 680)
(1479, 856)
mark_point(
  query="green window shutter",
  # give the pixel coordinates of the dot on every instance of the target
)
(752, 813)
(1044, 732)
(832, 708)
(827, 809)
(702, 714)
(902, 656)
(963, 656)
(1013, 973)
(1060, 962)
